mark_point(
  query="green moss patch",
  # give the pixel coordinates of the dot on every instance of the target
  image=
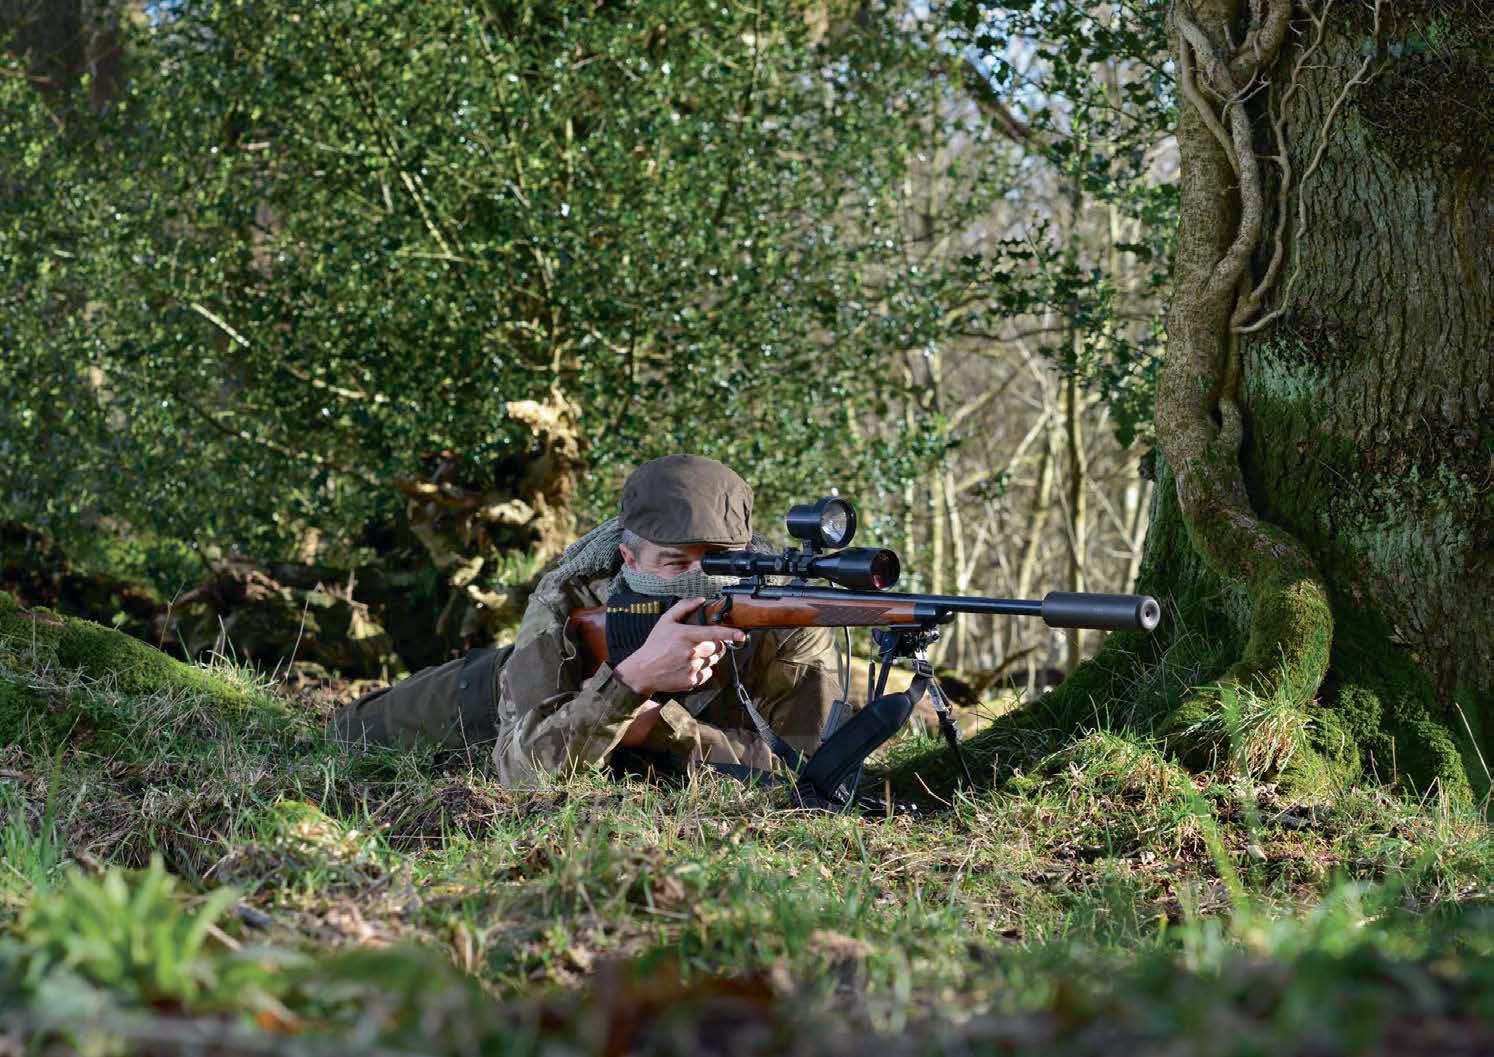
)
(1377, 697)
(102, 653)
(98, 688)
(18, 704)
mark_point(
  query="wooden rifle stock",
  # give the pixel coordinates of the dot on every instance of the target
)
(757, 614)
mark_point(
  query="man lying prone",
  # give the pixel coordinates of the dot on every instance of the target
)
(674, 699)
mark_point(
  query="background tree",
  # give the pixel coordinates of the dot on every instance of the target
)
(334, 238)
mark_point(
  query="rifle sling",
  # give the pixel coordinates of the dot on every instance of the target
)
(842, 751)
(791, 758)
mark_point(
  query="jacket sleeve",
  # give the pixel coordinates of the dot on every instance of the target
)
(792, 682)
(547, 723)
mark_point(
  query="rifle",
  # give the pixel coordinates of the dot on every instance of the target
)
(905, 626)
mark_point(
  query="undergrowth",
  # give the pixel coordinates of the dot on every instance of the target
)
(183, 875)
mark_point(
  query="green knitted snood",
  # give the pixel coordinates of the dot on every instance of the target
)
(692, 584)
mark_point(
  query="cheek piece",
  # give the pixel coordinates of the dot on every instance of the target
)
(692, 584)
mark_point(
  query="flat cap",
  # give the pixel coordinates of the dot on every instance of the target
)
(685, 499)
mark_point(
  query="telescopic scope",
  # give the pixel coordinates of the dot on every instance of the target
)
(859, 568)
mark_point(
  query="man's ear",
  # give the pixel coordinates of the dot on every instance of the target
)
(629, 558)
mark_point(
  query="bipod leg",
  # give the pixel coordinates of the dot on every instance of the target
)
(948, 729)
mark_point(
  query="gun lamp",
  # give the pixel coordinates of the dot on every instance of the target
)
(827, 525)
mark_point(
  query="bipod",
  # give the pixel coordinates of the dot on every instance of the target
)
(912, 643)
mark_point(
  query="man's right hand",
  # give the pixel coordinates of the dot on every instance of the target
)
(677, 656)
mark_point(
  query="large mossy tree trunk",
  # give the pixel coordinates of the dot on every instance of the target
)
(1322, 524)
(1368, 394)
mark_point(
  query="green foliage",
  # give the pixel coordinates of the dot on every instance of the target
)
(331, 238)
(31, 856)
(1090, 87)
(130, 935)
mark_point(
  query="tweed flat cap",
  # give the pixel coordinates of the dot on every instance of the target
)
(687, 499)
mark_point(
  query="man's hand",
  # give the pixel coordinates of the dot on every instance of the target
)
(677, 656)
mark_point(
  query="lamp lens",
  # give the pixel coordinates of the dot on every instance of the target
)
(834, 522)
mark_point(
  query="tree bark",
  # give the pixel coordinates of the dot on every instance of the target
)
(1078, 473)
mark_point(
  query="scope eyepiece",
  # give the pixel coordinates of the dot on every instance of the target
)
(741, 564)
(827, 525)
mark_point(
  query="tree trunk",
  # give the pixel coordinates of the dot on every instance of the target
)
(1368, 400)
(1321, 524)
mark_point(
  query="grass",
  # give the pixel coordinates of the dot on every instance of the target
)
(221, 880)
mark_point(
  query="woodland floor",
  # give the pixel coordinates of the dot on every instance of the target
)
(1103, 902)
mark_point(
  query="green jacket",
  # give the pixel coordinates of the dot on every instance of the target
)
(553, 718)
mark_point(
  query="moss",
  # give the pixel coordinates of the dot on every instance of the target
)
(18, 706)
(1376, 713)
(102, 653)
(1311, 337)
(1294, 610)
(1422, 107)
(1378, 696)
(1328, 763)
(114, 695)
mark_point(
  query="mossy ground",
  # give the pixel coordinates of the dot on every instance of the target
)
(96, 702)
(1101, 899)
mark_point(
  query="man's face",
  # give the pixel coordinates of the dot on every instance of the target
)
(667, 561)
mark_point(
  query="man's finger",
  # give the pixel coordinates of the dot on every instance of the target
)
(712, 633)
